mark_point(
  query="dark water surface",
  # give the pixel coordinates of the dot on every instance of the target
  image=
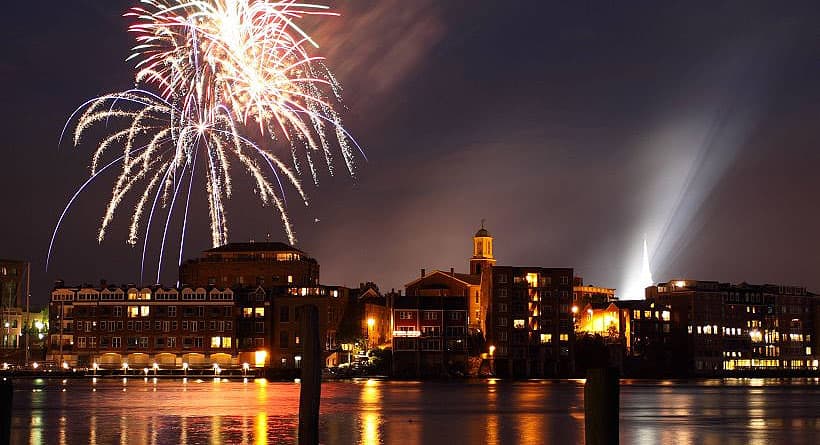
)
(143, 411)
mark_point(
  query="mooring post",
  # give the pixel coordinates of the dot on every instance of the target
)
(601, 406)
(311, 387)
(6, 391)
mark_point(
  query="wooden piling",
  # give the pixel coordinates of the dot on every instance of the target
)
(6, 391)
(311, 387)
(601, 406)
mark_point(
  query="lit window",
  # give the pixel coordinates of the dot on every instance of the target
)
(260, 312)
(564, 337)
(290, 279)
(518, 324)
(216, 342)
(546, 338)
(145, 310)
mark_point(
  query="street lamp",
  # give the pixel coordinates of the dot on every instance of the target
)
(185, 368)
(94, 368)
(370, 323)
(245, 367)
(125, 368)
(156, 368)
(492, 359)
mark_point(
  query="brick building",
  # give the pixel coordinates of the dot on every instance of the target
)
(138, 326)
(430, 332)
(720, 328)
(530, 323)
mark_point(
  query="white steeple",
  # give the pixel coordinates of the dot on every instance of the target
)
(646, 273)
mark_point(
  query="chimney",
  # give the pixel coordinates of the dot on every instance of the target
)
(452, 271)
(422, 273)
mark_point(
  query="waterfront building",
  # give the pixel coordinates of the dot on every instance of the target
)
(12, 302)
(430, 330)
(720, 328)
(119, 326)
(196, 327)
(530, 325)
(366, 322)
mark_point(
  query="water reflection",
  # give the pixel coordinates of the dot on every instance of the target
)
(378, 412)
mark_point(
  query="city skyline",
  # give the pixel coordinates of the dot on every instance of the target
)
(699, 140)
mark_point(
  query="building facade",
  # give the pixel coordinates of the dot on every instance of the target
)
(430, 332)
(722, 328)
(531, 321)
(129, 326)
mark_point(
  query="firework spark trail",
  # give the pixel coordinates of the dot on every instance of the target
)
(218, 68)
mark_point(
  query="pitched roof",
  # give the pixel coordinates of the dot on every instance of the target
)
(472, 280)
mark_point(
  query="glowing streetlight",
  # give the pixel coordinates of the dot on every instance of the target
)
(65, 365)
(492, 350)
(94, 368)
(574, 309)
(371, 322)
(185, 367)
(35, 365)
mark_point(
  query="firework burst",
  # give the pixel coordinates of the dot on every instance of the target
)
(218, 82)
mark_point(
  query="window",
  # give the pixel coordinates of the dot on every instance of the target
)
(431, 331)
(502, 292)
(430, 315)
(144, 311)
(159, 342)
(564, 337)
(476, 298)
(455, 331)
(166, 326)
(144, 342)
(216, 342)
(172, 342)
(81, 342)
(228, 311)
(197, 342)
(172, 311)
(290, 279)
(260, 327)
(502, 307)
(518, 323)
(546, 338)
(502, 321)
(247, 312)
(284, 314)
(118, 311)
(564, 280)
(133, 311)
(456, 315)
(405, 315)
(92, 342)
(116, 342)
(283, 339)
(259, 312)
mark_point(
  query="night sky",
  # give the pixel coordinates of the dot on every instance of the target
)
(575, 128)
